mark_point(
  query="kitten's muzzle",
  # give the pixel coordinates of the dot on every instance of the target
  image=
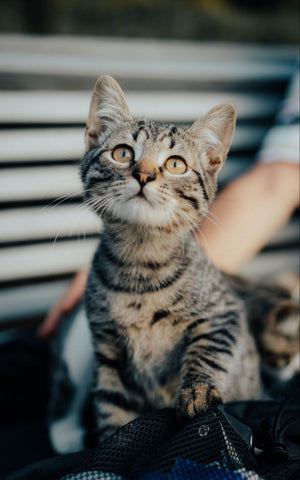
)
(143, 177)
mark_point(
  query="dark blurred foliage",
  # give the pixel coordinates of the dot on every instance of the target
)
(266, 21)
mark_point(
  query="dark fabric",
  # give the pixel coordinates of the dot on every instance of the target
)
(23, 400)
(156, 445)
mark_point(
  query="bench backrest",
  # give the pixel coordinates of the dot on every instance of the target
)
(45, 86)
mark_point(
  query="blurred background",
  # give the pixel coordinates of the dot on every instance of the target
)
(175, 60)
(267, 21)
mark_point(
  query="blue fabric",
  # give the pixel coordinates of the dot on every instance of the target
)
(187, 470)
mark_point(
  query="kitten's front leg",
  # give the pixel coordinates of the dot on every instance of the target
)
(114, 404)
(206, 363)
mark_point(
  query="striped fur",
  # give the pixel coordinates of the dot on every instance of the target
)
(167, 327)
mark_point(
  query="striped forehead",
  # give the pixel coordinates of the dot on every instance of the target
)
(152, 135)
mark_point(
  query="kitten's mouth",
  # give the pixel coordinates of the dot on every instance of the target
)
(141, 194)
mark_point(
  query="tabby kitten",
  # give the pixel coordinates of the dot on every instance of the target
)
(167, 328)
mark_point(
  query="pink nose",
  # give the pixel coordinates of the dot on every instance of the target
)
(143, 177)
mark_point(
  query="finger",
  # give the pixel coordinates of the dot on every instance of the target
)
(75, 292)
(50, 323)
(68, 301)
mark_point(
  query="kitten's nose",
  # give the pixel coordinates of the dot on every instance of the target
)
(143, 177)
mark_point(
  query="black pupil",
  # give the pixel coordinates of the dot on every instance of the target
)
(124, 153)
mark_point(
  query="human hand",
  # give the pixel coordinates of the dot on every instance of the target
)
(67, 302)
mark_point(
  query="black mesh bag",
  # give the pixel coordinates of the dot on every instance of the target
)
(217, 445)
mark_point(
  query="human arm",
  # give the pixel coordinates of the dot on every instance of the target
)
(249, 211)
(70, 298)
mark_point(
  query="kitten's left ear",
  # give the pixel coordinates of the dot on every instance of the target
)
(214, 132)
(108, 109)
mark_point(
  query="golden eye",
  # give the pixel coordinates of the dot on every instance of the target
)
(176, 165)
(122, 154)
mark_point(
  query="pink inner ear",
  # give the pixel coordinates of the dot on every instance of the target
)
(92, 134)
(214, 161)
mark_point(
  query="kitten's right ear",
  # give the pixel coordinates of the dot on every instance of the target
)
(108, 108)
(214, 133)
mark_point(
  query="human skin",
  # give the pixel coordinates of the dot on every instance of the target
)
(248, 212)
(70, 298)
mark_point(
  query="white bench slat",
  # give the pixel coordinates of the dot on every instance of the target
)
(145, 48)
(30, 301)
(47, 259)
(142, 68)
(34, 183)
(47, 222)
(56, 106)
(38, 145)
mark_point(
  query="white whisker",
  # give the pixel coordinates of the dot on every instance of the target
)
(205, 241)
(207, 216)
(59, 200)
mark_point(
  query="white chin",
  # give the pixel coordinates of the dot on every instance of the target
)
(139, 210)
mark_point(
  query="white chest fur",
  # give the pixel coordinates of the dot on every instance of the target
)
(149, 343)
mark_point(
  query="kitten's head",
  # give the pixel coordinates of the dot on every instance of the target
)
(146, 173)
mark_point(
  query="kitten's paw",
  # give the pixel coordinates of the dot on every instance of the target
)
(196, 399)
(279, 339)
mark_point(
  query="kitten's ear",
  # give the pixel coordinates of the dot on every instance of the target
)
(214, 132)
(108, 108)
